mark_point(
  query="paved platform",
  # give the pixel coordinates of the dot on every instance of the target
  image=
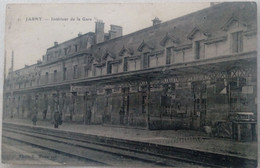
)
(187, 139)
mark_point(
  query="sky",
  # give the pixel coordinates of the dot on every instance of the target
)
(32, 28)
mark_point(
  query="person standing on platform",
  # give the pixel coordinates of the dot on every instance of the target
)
(122, 115)
(34, 118)
(57, 119)
(44, 113)
(88, 116)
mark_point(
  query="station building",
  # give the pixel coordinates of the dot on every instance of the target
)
(184, 73)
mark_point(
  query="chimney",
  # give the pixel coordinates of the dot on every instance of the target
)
(156, 21)
(79, 34)
(55, 43)
(115, 31)
(99, 31)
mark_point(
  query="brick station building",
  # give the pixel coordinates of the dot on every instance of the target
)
(188, 72)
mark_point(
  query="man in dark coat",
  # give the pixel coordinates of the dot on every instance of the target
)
(34, 118)
(57, 119)
(44, 113)
(121, 115)
(88, 116)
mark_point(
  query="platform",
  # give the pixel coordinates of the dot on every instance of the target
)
(187, 139)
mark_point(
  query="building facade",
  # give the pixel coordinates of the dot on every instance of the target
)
(188, 72)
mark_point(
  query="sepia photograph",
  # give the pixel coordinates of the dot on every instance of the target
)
(130, 84)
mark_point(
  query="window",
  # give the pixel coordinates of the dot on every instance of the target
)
(86, 71)
(101, 70)
(109, 68)
(65, 51)
(146, 60)
(55, 76)
(237, 42)
(168, 55)
(46, 77)
(38, 79)
(135, 60)
(94, 71)
(125, 64)
(64, 73)
(56, 54)
(76, 48)
(75, 71)
(197, 50)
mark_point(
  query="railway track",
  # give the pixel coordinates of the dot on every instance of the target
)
(115, 152)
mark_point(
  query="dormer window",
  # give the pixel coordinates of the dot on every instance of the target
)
(76, 48)
(125, 65)
(46, 77)
(237, 42)
(75, 71)
(65, 51)
(199, 49)
(168, 55)
(109, 68)
(55, 76)
(64, 73)
(146, 60)
(86, 68)
(56, 54)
